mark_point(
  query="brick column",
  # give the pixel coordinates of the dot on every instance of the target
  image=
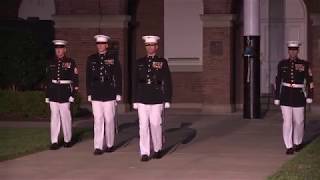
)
(217, 76)
(79, 30)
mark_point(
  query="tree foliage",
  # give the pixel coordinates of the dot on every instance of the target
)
(22, 57)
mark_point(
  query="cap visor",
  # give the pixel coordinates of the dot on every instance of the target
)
(293, 48)
(59, 46)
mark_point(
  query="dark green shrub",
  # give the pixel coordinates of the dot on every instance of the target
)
(28, 105)
(23, 105)
(25, 47)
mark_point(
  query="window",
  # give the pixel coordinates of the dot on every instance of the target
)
(183, 34)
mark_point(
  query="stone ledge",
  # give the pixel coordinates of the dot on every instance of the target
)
(183, 108)
(185, 64)
(205, 108)
(217, 109)
(218, 20)
(314, 108)
(185, 68)
(186, 105)
(91, 21)
(121, 107)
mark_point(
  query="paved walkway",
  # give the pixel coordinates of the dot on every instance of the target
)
(201, 147)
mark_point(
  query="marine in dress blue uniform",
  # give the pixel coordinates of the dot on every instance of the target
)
(294, 88)
(62, 84)
(104, 89)
(152, 91)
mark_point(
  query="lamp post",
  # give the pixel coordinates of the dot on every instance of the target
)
(251, 104)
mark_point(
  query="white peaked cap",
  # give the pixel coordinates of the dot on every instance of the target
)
(101, 38)
(293, 44)
(150, 39)
(59, 42)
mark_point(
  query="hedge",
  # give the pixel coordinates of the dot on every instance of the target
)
(27, 105)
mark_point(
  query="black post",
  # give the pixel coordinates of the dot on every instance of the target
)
(251, 105)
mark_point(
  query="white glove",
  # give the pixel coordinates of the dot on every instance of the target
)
(47, 100)
(118, 98)
(166, 105)
(277, 102)
(309, 100)
(135, 105)
(89, 98)
(71, 99)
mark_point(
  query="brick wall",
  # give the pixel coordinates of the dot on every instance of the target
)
(81, 41)
(82, 44)
(149, 21)
(213, 86)
(217, 75)
(187, 87)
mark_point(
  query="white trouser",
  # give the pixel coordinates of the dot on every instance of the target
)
(292, 125)
(103, 113)
(60, 112)
(150, 116)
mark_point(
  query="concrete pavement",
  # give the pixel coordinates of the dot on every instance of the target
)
(201, 147)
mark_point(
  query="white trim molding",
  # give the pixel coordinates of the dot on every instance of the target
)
(185, 65)
(218, 20)
(91, 21)
(204, 108)
(121, 107)
(217, 109)
(186, 106)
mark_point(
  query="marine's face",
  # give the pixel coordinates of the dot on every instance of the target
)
(60, 51)
(151, 48)
(102, 47)
(293, 53)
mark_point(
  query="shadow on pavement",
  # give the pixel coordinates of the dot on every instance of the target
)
(81, 134)
(127, 132)
(177, 136)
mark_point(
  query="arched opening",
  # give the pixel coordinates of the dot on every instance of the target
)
(43, 9)
(281, 21)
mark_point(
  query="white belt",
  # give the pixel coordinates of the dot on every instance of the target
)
(61, 81)
(293, 85)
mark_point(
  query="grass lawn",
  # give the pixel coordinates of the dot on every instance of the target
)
(305, 166)
(16, 142)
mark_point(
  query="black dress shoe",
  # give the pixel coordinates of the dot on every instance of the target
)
(98, 152)
(297, 148)
(54, 146)
(109, 149)
(67, 144)
(290, 151)
(157, 155)
(144, 158)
